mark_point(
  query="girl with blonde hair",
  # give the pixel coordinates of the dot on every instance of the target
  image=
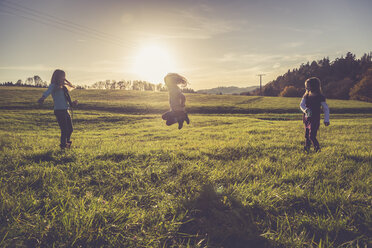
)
(59, 89)
(177, 100)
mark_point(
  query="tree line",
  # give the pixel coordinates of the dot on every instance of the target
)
(138, 85)
(344, 78)
(34, 81)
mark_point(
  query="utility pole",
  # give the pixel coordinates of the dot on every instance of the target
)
(260, 75)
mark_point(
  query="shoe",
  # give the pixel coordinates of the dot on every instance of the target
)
(187, 119)
(307, 149)
(317, 149)
(68, 144)
(63, 146)
(180, 124)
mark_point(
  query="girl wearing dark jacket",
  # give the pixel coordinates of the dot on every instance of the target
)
(311, 103)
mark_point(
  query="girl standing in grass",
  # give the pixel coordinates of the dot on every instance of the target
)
(176, 100)
(310, 106)
(59, 88)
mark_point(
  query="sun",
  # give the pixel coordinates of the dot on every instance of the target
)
(152, 62)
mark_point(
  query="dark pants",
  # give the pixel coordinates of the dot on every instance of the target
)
(172, 117)
(311, 130)
(65, 124)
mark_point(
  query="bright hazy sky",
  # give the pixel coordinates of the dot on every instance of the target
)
(210, 42)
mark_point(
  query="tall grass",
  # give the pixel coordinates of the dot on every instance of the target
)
(222, 181)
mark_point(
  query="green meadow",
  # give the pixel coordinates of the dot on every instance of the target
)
(236, 176)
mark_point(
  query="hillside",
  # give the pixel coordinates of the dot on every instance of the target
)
(227, 90)
(344, 78)
(137, 102)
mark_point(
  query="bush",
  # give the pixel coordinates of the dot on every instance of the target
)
(339, 89)
(363, 90)
(290, 91)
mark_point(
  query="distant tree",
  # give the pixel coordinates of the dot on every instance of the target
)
(337, 77)
(120, 85)
(363, 89)
(127, 85)
(38, 81)
(161, 87)
(270, 90)
(187, 90)
(7, 84)
(137, 85)
(290, 91)
(107, 84)
(29, 81)
(248, 93)
(113, 85)
(19, 82)
(339, 89)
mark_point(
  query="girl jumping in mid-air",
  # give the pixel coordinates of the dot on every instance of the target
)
(59, 88)
(310, 106)
(176, 100)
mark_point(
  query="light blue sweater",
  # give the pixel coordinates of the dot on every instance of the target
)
(59, 99)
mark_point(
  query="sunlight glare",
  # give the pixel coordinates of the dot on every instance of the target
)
(152, 63)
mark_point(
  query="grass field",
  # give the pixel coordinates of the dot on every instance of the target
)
(235, 177)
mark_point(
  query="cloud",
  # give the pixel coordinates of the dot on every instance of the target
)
(100, 66)
(27, 68)
(276, 66)
(293, 44)
(196, 23)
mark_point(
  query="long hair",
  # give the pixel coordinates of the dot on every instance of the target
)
(313, 85)
(59, 78)
(172, 79)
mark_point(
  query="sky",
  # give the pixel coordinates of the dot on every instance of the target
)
(210, 42)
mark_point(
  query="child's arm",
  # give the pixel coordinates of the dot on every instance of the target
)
(326, 113)
(183, 100)
(303, 105)
(46, 93)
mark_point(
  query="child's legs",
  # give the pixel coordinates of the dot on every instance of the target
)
(171, 121)
(187, 118)
(170, 118)
(165, 116)
(307, 135)
(62, 122)
(70, 129)
(180, 115)
(313, 132)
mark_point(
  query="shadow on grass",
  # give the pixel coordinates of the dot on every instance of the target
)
(160, 156)
(110, 119)
(359, 158)
(233, 153)
(116, 157)
(51, 156)
(217, 220)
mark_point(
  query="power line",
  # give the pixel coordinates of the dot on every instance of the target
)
(38, 19)
(64, 21)
(49, 20)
